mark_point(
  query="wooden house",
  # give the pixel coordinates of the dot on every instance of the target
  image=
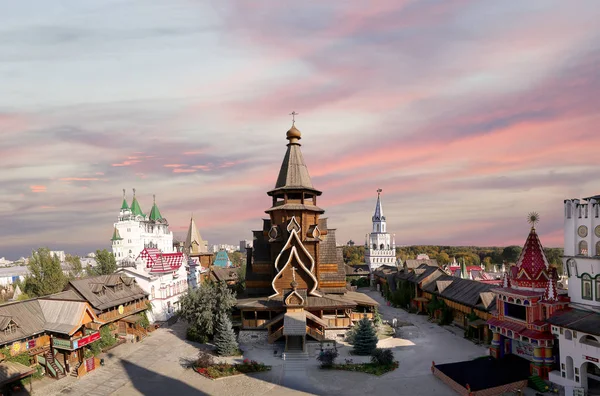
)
(116, 299)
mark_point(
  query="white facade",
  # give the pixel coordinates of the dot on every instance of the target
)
(380, 247)
(135, 231)
(581, 260)
(579, 357)
(165, 289)
(579, 351)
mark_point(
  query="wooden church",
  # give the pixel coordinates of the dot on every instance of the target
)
(295, 276)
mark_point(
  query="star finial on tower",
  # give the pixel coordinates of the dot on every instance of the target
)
(134, 193)
(533, 218)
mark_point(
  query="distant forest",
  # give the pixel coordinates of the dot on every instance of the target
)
(472, 255)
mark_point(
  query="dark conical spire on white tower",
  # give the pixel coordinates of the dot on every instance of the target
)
(378, 216)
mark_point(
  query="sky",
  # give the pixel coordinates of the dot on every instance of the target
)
(468, 114)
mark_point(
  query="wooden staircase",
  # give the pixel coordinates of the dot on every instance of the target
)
(75, 370)
(275, 335)
(55, 369)
(317, 334)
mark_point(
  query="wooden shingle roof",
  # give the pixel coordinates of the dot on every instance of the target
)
(110, 296)
(463, 291)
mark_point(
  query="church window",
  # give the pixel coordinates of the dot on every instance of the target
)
(586, 287)
(597, 283)
(374, 246)
(583, 248)
(568, 209)
(597, 210)
(381, 246)
(580, 211)
(586, 211)
(597, 248)
(377, 227)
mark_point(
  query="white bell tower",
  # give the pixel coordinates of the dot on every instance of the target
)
(380, 247)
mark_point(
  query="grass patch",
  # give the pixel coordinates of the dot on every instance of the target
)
(369, 368)
(221, 370)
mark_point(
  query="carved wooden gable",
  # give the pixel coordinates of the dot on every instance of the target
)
(295, 265)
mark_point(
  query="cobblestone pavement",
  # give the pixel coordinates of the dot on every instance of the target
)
(156, 367)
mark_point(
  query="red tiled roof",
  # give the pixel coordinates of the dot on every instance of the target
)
(161, 262)
(532, 265)
(536, 335)
(515, 327)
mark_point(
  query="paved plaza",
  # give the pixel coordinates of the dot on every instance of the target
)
(157, 366)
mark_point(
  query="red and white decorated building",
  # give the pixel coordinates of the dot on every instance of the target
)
(163, 276)
(527, 298)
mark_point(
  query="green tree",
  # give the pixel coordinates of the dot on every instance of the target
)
(106, 263)
(203, 307)
(225, 338)
(510, 254)
(365, 339)
(443, 258)
(487, 261)
(45, 274)
(237, 258)
(74, 265)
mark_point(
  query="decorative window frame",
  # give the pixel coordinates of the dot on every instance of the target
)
(585, 278)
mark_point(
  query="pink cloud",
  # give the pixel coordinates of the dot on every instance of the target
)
(127, 163)
(180, 170)
(38, 188)
(78, 179)
(174, 165)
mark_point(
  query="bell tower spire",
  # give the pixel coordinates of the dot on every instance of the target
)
(381, 248)
(378, 217)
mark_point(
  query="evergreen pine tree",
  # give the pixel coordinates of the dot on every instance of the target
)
(225, 337)
(365, 339)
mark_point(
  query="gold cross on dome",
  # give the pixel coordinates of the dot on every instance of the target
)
(293, 114)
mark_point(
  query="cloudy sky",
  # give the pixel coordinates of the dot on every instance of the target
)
(468, 114)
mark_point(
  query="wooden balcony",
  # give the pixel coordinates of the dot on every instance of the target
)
(113, 314)
(359, 315)
(336, 322)
(253, 323)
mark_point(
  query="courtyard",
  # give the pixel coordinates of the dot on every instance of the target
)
(157, 366)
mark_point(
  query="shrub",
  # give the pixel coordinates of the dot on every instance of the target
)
(350, 334)
(382, 356)
(377, 321)
(204, 360)
(192, 334)
(365, 339)
(327, 357)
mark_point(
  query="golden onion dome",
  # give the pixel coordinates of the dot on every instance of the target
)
(293, 135)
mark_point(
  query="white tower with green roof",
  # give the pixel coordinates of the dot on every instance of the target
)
(134, 230)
